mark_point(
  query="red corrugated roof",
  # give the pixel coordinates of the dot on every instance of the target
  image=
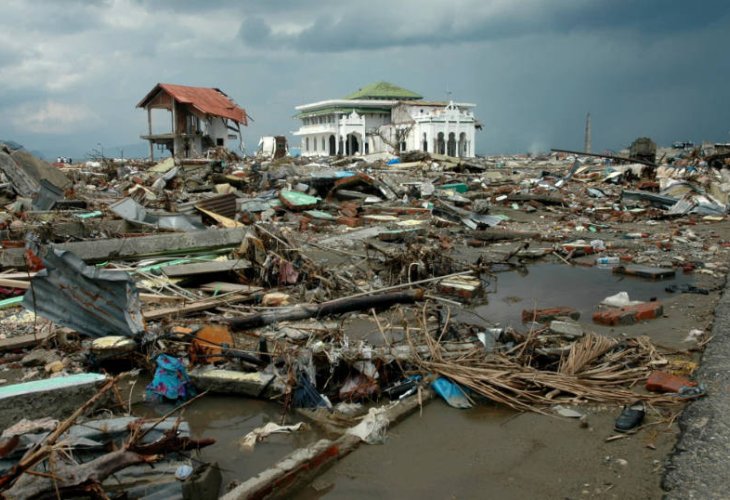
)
(209, 101)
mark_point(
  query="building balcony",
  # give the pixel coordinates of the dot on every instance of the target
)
(320, 128)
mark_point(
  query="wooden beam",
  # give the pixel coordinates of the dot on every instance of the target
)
(137, 248)
(24, 285)
(194, 307)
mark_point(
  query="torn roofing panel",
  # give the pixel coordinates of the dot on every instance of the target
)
(210, 101)
(133, 212)
(224, 205)
(94, 302)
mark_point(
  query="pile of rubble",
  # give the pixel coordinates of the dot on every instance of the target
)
(255, 278)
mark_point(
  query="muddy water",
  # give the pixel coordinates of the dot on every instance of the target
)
(489, 452)
(227, 420)
(551, 285)
(493, 452)
(485, 452)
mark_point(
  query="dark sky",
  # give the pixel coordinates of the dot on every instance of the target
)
(71, 72)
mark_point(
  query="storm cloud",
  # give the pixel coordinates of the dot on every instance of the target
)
(71, 72)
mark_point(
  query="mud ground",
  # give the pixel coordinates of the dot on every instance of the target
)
(491, 452)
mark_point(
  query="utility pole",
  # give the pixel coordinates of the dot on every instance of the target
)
(587, 143)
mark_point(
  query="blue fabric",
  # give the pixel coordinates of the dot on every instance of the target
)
(171, 380)
(452, 393)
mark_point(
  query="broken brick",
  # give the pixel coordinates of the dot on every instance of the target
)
(629, 315)
(549, 314)
(350, 221)
(659, 381)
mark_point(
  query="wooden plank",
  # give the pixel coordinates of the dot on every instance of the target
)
(17, 275)
(645, 271)
(215, 266)
(138, 248)
(225, 287)
(14, 283)
(220, 219)
(154, 297)
(23, 341)
(194, 307)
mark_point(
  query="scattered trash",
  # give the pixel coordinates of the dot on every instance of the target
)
(336, 284)
(171, 381)
(659, 381)
(373, 427)
(567, 412)
(451, 393)
(631, 416)
(248, 442)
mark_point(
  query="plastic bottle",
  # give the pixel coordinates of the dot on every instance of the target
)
(608, 260)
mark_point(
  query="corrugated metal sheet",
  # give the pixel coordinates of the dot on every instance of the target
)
(92, 301)
(47, 197)
(224, 205)
(210, 101)
(133, 212)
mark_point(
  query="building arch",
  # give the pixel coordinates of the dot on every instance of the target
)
(353, 144)
(332, 145)
(463, 145)
(440, 144)
(451, 145)
(425, 141)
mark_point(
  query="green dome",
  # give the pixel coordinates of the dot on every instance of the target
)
(384, 91)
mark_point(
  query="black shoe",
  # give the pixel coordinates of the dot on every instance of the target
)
(630, 417)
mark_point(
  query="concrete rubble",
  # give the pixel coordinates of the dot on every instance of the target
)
(336, 285)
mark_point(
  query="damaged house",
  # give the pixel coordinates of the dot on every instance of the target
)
(382, 117)
(190, 120)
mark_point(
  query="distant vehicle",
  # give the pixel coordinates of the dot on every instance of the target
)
(683, 144)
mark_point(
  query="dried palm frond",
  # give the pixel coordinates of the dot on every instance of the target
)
(584, 351)
(597, 369)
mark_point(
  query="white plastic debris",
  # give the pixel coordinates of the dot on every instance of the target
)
(621, 299)
(373, 427)
(248, 442)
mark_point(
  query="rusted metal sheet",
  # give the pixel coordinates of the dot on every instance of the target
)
(224, 205)
(94, 302)
(208, 101)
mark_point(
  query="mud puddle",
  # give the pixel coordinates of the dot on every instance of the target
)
(491, 452)
(551, 285)
(227, 419)
(488, 451)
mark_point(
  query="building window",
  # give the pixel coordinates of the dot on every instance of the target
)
(323, 148)
(314, 143)
(306, 144)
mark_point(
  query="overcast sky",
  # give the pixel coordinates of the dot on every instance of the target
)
(71, 72)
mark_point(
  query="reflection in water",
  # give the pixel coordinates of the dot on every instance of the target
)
(227, 419)
(550, 285)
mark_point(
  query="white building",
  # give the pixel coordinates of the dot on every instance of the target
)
(193, 119)
(384, 117)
